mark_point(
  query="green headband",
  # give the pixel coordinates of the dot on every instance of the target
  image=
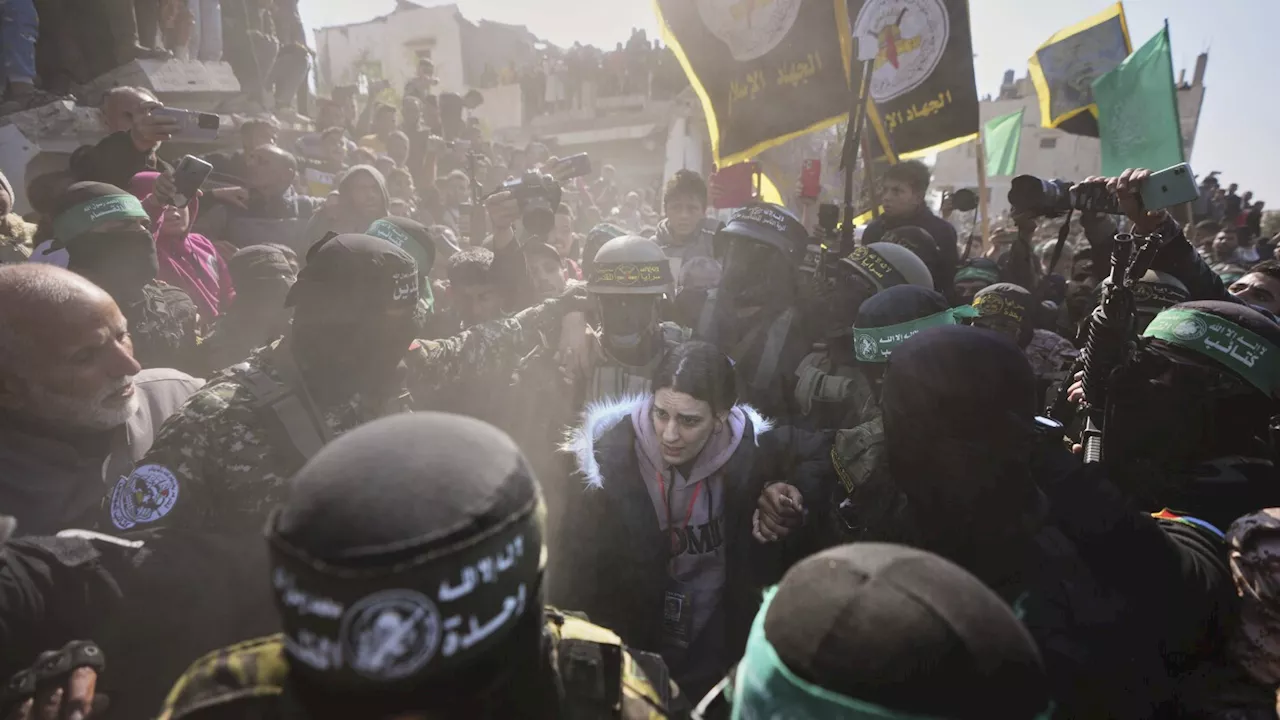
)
(1244, 353)
(422, 257)
(764, 687)
(76, 221)
(973, 273)
(876, 344)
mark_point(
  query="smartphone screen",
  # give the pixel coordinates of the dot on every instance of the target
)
(811, 178)
(187, 179)
(734, 186)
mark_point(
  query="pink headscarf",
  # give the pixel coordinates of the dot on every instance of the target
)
(191, 262)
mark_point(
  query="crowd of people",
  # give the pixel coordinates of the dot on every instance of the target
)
(572, 79)
(52, 46)
(549, 449)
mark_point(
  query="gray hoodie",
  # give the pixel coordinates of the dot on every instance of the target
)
(346, 219)
(692, 514)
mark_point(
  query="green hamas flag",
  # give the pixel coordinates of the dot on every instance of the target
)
(1000, 137)
(1138, 111)
(923, 96)
(765, 70)
(1064, 67)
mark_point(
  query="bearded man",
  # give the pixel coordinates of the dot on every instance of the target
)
(76, 410)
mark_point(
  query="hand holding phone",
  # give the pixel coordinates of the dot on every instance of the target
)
(574, 166)
(152, 127)
(184, 124)
(187, 179)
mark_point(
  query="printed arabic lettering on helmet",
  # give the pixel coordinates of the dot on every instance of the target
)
(887, 265)
(766, 223)
(630, 265)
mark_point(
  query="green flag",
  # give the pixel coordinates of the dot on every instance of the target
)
(1001, 137)
(1138, 111)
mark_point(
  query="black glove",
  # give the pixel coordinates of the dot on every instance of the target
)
(51, 668)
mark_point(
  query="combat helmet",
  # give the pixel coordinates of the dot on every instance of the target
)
(630, 265)
(767, 224)
(887, 265)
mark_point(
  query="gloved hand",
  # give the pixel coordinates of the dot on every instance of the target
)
(60, 685)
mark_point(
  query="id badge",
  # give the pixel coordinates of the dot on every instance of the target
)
(677, 618)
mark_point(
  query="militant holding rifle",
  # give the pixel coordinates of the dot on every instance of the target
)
(1112, 336)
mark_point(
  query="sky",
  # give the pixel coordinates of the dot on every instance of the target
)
(1242, 99)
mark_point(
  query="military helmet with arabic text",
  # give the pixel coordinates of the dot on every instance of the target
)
(630, 265)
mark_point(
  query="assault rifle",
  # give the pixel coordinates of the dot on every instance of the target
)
(1111, 337)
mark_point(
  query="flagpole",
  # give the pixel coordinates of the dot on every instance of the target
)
(982, 190)
(869, 175)
(852, 141)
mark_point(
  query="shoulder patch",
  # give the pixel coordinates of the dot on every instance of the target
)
(146, 495)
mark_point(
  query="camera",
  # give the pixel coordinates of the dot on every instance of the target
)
(538, 195)
(1051, 198)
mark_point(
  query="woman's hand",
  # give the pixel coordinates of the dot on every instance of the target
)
(779, 510)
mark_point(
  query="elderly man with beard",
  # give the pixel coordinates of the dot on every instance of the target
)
(77, 410)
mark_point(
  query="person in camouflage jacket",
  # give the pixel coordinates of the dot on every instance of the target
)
(223, 460)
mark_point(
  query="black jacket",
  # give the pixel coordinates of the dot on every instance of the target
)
(612, 544)
(114, 160)
(1178, 258)
(944, 234)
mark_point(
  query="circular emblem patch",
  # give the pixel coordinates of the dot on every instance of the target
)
(750, 28)
(910, 36)
(1189, 329)
(146, 495)
(391, 634)
(866, 346)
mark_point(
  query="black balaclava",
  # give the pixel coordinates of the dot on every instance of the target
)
(343, 338)
(407, 562)
(905, 631)
(1175, 408)
(1013, 304)
(121, 262)
(761, 246)
(959, 407)
(260, 273)
(629, 327)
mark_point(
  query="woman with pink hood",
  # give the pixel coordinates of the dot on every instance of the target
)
(188, 260)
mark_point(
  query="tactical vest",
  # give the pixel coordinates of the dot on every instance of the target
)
(613, 379)
(818, 382)
(860, 504)
(295, 425)
(598, 677)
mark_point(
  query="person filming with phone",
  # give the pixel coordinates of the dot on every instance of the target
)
(125, 153)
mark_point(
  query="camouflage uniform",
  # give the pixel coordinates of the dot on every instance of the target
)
(251, 677)
(219, 462)
(163, 327)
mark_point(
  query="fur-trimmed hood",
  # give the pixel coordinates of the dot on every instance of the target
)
(602, 416)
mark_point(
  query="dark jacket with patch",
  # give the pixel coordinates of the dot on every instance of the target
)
(614, 549)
